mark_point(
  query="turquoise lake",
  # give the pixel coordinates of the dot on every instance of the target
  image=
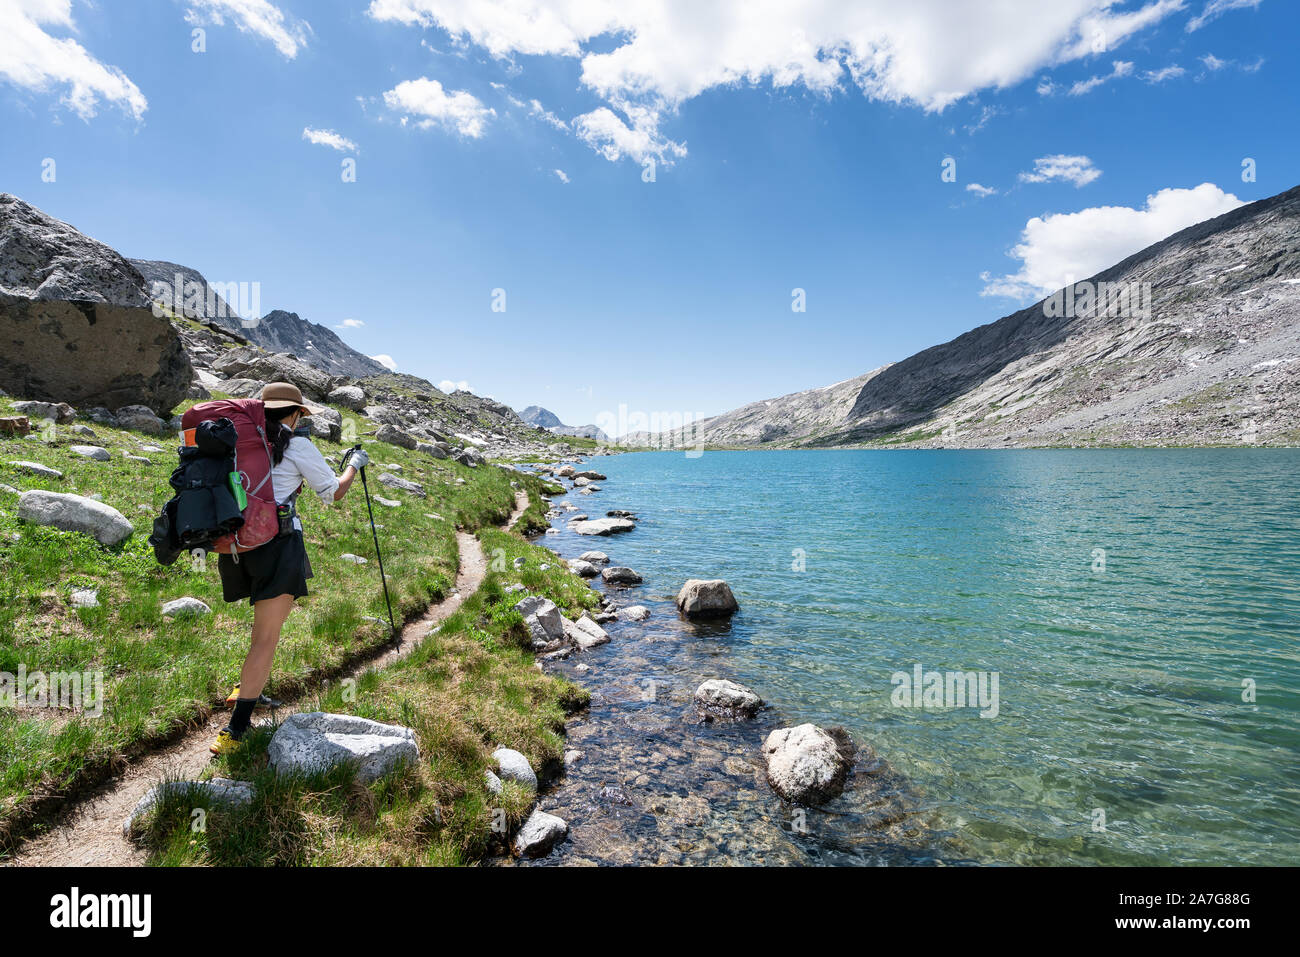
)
(1131, 603)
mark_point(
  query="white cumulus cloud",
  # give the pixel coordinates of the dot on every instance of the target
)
(446, 385)
(563, 176)
(1061, 248)
(1078, 170)
(980, 191)
(32, 59)
(329, 138)
(645, 58)
(386, 361)
(430, 105)
(258, 17)
(350, 324)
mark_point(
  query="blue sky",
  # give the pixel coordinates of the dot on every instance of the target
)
(803, 149)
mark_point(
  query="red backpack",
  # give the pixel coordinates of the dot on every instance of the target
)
(253, 463)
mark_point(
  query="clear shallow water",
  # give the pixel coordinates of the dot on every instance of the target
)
(1120, 691)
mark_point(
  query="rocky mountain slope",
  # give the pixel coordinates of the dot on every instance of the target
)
(1215, 359)
(187, 293)
(546, 419)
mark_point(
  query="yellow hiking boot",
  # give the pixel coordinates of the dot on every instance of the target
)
(226, 743)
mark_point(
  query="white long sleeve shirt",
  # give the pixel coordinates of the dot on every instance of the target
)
(303, 464)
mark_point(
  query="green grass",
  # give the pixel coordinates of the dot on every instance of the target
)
(468, 689)
(162, 675)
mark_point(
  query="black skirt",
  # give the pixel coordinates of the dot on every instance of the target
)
(280, 567)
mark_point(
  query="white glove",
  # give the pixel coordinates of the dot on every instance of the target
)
(358, 459)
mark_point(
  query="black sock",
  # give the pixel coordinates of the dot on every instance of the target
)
(243, 716)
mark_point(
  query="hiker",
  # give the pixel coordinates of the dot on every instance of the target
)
(274, 575)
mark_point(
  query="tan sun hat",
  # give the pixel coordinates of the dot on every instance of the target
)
(285, 395)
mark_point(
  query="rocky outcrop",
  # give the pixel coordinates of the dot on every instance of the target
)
(318, 741)
(542, 618)
(807, 764)
(267, 367)
(77, 322)
(706, 598)
(75, 513)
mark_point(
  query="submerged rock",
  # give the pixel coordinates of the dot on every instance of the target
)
(807, 764)
(724, 698)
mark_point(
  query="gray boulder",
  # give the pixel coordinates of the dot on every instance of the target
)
(75, 513)
(393, 481)
(60, 412)
(539, 834)
(349, 396)
(186, 607)
(543, 618)
(620, 575)
(252, 363)
(596, 558)
(807, 764)
(140, 418)
(604, 526)
(584, 569)
(91, 452)
(395, 436)
(634, 613)
(712, 598)
(217, 791)
(585, 633)
(724, 698)
(326, 424)
(77, 319)
(35, 468)
(515, 767)
(317, 741)
(433, 449)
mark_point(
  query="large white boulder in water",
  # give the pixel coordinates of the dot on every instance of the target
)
(712, 598)
(807, 764)
(317, 741)
(75, 513)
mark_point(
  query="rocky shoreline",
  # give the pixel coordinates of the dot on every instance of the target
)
(676, 762)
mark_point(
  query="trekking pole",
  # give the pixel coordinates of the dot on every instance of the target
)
(378, 554)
